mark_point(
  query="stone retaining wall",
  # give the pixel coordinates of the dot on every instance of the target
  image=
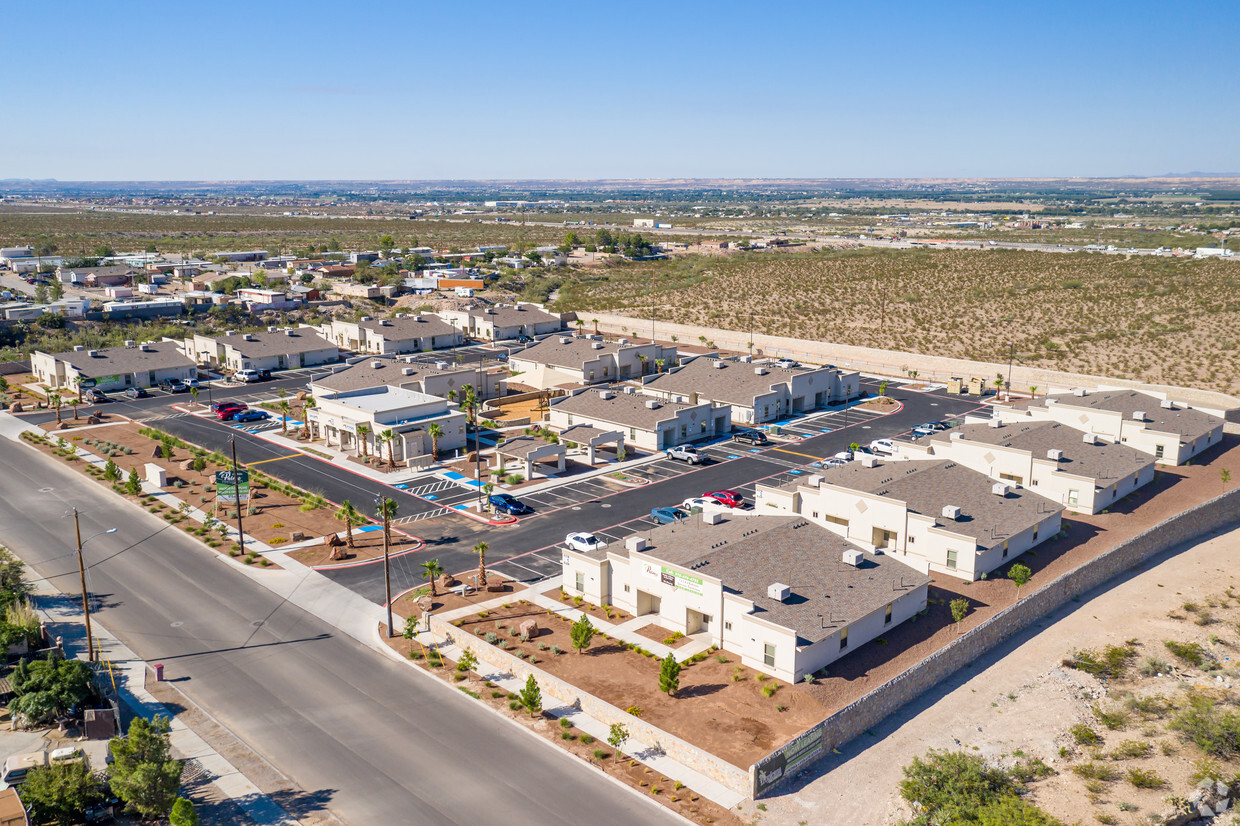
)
(868, 711)
(898, 363)
(568, 694)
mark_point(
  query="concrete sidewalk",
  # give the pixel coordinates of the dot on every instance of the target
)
(63, 616)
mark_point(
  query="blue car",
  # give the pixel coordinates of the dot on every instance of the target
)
(666, 516)
(251, 416)
(507, 503)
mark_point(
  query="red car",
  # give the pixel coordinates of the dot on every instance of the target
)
(726, 497)
(228, 412)
(218, 406)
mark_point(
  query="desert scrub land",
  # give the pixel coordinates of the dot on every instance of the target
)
(1162, 320)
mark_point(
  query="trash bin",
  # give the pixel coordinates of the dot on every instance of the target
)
(159, 672)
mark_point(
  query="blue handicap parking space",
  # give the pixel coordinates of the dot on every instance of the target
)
(795, 472)
(460, 507)
(430, 496)
(454, 476)
(368, 528)
(402, 487)
(733, 456)
(756, 450)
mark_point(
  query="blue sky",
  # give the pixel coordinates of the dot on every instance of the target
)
(416, 90)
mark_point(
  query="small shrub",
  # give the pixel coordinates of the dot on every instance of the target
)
(1095, 771)
(473, 694)
(1152, 667)
(1084, 735)
(565, 722)
(720, 658)
(1145, 779)
(634, 710)
(600, 754)
(491, 638)
(514, 705)
(1110, 663)
(1190, 652)
(769, 690)
(555, 649)
(780, 707)
(1132, 749)
(1114, 719)
(495, 695)
(586, 739)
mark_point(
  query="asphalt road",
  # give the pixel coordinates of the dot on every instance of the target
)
(370, 740)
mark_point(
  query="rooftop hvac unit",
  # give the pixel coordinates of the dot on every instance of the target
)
(630, 389)
(1079, 391)
(720, 364)
(951, 512)
(385, 322)
(596, 345)
(565, 339)
(365, 318)
(635, 543)
(955, 434)
(289, 331)
(712, 517)
(779, 591)
(993, 422)
(852, 557)
(623, 341)
(271, 329)
(1089, 439)
(230, 332)
(128, 343)
(869, 461)
(1054, 455)
(746, 359)
(813, 480)
(1138, 415)
(418, 318)
(407, 371)
(441, 365)
(248, 336)
(606, 394)
(760, 371)
(93, 354)
(376, 364)
(653, 404)
(77, 348)
(402, 315)
(1167, 404)
(999, 489)
(489, 311)
(145, 347)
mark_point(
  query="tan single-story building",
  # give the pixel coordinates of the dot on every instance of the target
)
(442, 378)
(286, 348)
(351, 420)
(392, 336)
(646, 423)
(135, 364)
(562, 360)
(503, 322)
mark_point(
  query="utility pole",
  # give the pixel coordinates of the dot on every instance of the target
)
(652, 306)
(1011, 358)
(237, 490)
(90, 639)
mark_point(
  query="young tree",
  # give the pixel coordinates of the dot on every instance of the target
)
(435, 431)
(530, 696)
(1033, 391)
(582, 632)
(54, 401)
(308, 405)
(669, 675)
(144, 775)
(133, 485)
(960, 609)
(882, 388)
(1020, 575)
(643, 360)
(350, 516)
(285, 407)
(467, 662)
(183, 813)
(616, 738)
(60, 793)
(432, 570)
(362, 430)
(389, 437)
(111, 472)
(49, 688)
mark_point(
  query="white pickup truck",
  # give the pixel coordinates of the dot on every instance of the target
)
(684, 453)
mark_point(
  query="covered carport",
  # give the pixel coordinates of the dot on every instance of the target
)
(592, 438)
(529, 450)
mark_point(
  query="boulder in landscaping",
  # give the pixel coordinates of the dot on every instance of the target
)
(15, 407)
(425, 603)
(446, 581)
(333, 540)
(530, 628)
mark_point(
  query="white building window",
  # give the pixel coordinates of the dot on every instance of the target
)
(1158, 451)
(843, 637)
(581, 581)
(1005, 548)
(887, 615)
(768, 654)
(1073, 497)
(626, 589)
(727, 626)
(951, 559)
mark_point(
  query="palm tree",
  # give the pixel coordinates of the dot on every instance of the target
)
(580, 324)
(658, 365)
(481, 549)
(433, 570)
(309, 405)
(362, 430)
(351, 516)
(193, 394)
(53, 401)
(596, 326)
(643, 359)
(390, 437)
(284, 410)
(435, 431)
(1033, 391)
(386, 511)
(77, 382)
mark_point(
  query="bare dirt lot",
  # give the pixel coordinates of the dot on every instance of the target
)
(1023, 699)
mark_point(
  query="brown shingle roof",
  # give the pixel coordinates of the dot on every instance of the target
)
(1190, 424)
(572, 353)
(390, 371)
(1103, 462)
(624, 409)
(513, 316)
(735, 383)
(413, 326)
(121, 360)
(279, 343)
(749, 553)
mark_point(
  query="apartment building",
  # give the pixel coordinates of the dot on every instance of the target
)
(645, 422)
(402, 333)
(441, 378)
(135, 364)
(568, 360)
(503, 322)
(277, 349)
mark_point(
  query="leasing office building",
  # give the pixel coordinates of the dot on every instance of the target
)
(785, 595)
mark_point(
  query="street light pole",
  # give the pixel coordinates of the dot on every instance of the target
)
(382, 504)
(77, 532)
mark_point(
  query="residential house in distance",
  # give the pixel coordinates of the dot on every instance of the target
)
(408, 414)
(276, 349)
(258, 299)
(110, 276)
(348, 289)
(566, 360)
(645, 422)
(392, 336)
(440, 378)
(785, 595)
(933, 515)
(1169, 431)
(503, 322)
(135, 364)
(758, 393)
(1081, 472)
